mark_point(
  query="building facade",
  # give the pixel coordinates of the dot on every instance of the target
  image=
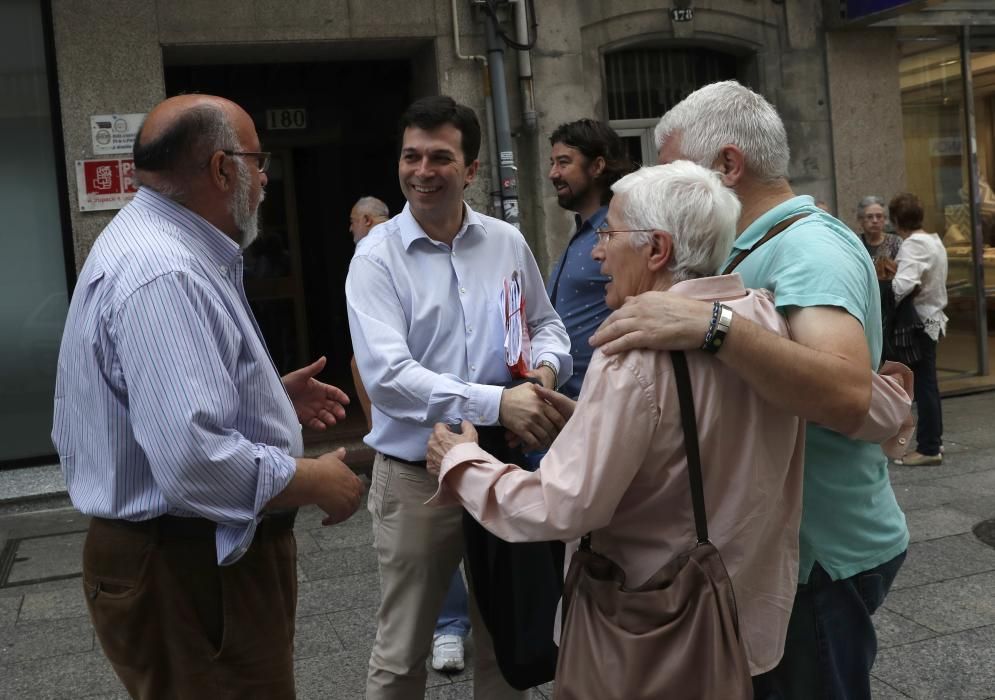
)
(873, 95)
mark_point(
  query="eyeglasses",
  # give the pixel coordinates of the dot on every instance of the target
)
(262, 157)
(605, 234)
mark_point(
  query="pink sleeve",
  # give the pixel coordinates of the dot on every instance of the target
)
(581, 479)
(889, 420)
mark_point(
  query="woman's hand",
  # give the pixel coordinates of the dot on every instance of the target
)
(885, 268)
(443, 440)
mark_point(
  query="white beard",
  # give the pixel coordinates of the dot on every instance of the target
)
(246, 217)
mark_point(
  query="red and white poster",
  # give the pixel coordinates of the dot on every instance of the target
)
(107, 183)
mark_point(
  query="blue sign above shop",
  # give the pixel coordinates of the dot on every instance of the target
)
(856, 9)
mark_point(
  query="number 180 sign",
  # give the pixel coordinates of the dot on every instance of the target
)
(288, 118)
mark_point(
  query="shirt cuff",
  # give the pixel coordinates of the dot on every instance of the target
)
(459, 455)
(276, 469)
(484, 405)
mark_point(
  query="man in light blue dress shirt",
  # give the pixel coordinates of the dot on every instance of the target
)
(427, 321)
(175, 431)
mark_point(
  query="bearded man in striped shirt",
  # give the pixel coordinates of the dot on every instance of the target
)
(177, 434)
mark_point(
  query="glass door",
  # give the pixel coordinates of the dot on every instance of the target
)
(938, 170)
(33, 284)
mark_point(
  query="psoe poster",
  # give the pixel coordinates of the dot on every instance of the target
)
(106, 183)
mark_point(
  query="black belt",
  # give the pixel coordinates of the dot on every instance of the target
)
(419, 465)
(176, 526)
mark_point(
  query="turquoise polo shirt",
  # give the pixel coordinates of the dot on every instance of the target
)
(851, 521)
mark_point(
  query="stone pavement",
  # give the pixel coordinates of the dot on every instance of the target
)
(936, 631)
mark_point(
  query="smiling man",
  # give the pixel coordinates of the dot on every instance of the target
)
(424, 299)
(587, 158)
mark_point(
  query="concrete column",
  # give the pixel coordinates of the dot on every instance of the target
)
(561, 96)
(108, 60)
(866, 101)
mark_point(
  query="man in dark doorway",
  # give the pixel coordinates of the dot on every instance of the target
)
(366, 213)
(587, 158)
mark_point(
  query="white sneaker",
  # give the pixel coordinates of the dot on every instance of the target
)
(447, 653)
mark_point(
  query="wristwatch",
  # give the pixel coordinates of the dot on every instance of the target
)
(719, 327)
(552, 367)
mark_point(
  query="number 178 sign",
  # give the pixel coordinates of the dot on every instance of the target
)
(287, 118)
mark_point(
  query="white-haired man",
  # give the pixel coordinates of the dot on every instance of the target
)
(853, 533)
(619, 466)
(366, 213)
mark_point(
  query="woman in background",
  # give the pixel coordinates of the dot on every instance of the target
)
(881, 246)
(922, 273)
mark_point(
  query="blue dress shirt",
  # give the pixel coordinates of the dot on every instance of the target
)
(577, 289)
(428, 326)
(166, 399)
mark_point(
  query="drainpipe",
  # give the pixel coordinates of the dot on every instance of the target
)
(488, 107)
(502, 124)
(529, 119)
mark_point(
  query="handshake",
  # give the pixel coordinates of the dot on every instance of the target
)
(532, 414)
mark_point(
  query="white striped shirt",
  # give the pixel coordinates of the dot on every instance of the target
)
(166, 398)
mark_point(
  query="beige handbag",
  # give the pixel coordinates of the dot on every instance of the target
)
(676, 636)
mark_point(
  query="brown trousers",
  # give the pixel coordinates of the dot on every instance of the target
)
(174, 624)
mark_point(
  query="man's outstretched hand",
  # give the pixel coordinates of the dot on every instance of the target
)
(444, 439)
(535, 422)
(338, 490)
(318, 405)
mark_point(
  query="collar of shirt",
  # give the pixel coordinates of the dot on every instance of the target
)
(219, 247)
(593, 223)
(411, 230)
(711, 288)
(770, 218)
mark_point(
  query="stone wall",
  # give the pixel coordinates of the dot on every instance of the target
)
(110, 59)
(869, 154)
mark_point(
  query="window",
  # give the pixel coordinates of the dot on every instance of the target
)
(642, 84)
(645, 83)
(33, 284)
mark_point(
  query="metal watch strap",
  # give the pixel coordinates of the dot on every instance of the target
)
(719, 327)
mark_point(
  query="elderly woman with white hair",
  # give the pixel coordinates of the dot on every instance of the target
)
(619, 470)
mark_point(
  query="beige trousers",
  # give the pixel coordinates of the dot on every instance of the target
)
(418, 549)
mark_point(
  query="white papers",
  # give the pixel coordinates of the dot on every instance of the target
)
(516, 339)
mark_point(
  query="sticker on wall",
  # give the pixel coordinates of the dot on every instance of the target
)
(114, 133)
(105, 184)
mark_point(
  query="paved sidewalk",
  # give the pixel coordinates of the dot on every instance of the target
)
(937, 628)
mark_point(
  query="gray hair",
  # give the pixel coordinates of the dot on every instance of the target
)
(870, 200)
(727, 113)
(690, 203)
(178, 153)
(373, 206)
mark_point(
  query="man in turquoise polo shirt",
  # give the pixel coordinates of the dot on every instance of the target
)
(853, 535)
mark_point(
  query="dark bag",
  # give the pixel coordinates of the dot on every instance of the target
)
(676, 636)
(902, 333)
(517, 587)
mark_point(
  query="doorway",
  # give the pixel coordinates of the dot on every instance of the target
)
(332, 129)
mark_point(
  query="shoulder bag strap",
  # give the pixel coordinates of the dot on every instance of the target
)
(690, 425)
(770, 234)
(686, 399)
